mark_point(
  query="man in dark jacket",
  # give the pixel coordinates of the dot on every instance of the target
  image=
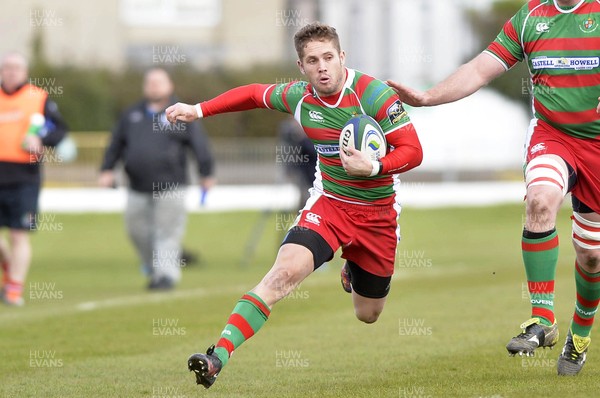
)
(30, 124)
(154, 155)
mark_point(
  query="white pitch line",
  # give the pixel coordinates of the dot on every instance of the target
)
(153, 298)
(157, 297)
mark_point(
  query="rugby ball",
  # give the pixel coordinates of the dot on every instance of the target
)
(362, 132)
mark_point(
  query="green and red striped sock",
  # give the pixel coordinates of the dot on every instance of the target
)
(248, 316)
(588, 297)
(540, 256)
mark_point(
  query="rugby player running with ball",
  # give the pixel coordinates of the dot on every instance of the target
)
(353, 202)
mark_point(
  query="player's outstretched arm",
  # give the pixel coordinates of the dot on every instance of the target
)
(238, 99)
(467, 79)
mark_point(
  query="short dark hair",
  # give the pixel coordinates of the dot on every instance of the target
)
(315, 31)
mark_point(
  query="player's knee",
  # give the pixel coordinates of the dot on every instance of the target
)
(543, 201)
(547, 183)
(542, 208)
(588, 260)
(368, 315)
(592, 261)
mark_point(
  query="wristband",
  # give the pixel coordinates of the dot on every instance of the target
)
(377, 167)
(198, 110)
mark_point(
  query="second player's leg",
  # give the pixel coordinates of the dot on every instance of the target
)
(547, 179)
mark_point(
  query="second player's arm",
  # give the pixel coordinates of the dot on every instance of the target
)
(467, 79)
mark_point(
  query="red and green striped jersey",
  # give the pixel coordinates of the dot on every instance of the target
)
(562, 49)
(323, 120)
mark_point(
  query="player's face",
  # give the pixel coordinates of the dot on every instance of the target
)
(157, 86)
(323, 65)
(13, 72)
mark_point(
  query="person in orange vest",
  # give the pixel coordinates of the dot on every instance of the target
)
(29, 123)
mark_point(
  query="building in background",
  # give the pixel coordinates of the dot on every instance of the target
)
(118, 33)
(415, 42)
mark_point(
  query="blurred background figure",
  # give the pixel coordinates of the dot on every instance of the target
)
(29, 123)
(299, 157)
(154, 155)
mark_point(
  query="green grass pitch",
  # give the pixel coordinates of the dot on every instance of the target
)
(89, 328)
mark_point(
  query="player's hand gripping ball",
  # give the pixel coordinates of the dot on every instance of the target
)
(363, 133)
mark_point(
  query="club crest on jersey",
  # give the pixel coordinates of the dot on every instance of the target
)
(396, 112)
(588, 25)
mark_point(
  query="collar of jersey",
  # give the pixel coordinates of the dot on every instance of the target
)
(570, 10)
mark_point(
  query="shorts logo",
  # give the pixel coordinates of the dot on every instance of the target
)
(537, 147)
(396, 112)
(313, 218)
(316, 116)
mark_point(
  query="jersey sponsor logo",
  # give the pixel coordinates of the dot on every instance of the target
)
(313, 218)
(542, 27)
(588, 26)
(316, 116)
(326, 149)
(537, 147)
(396, 112)
(576, 63)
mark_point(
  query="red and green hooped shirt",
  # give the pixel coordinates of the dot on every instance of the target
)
(323, 119)
(561, 47)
